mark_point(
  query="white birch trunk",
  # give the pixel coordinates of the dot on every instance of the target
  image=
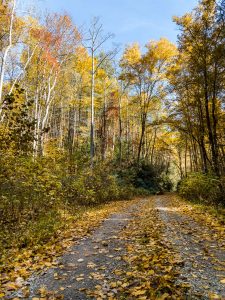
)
(6, 52)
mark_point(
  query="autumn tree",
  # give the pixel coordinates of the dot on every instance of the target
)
(145, 73)
(199, 81)
(7, 20)
(94, 41)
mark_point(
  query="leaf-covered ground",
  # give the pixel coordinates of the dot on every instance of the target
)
(156, 248)
(175, 251)
(17, 265)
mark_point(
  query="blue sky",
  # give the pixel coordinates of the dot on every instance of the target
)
(130, 20)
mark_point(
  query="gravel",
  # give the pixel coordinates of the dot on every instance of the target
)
(87, 264)
(203, 255)
(92, 261)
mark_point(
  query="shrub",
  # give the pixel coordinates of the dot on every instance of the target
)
(28, 188)
(92, 187)
(142, 192)
(40, 231)
(166, 183)
(201, 187)
(30, 198)
(145, 177)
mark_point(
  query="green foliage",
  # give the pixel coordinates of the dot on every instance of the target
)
(95, 186)
(166, 183)
(40, 231)
(33, 192)
(30, 191)
(29, 186)
(201, 187)
(146, 177)
(17, 132)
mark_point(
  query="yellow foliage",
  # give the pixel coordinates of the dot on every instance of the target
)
(132, 55)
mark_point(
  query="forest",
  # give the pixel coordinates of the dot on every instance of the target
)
(87, 127)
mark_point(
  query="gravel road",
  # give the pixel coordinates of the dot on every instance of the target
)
(94, 259)
(87, 264)
(202, 252)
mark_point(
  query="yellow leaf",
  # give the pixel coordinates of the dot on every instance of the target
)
(146, 266)
(151, 272)
(113, 284)
(79, 278)
(11, 286)
(138, 293)
(42, 291)
(222, 280)
(164, 296)
(214, 296)
(118, 272)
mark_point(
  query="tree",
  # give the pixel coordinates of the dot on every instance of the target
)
(94, 41)
(7, 20)
(200, 79)
(145, 73)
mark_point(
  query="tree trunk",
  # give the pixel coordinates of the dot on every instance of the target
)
(92, 142)
(3, 63)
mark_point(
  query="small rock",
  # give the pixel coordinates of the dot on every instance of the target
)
(19, 281)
